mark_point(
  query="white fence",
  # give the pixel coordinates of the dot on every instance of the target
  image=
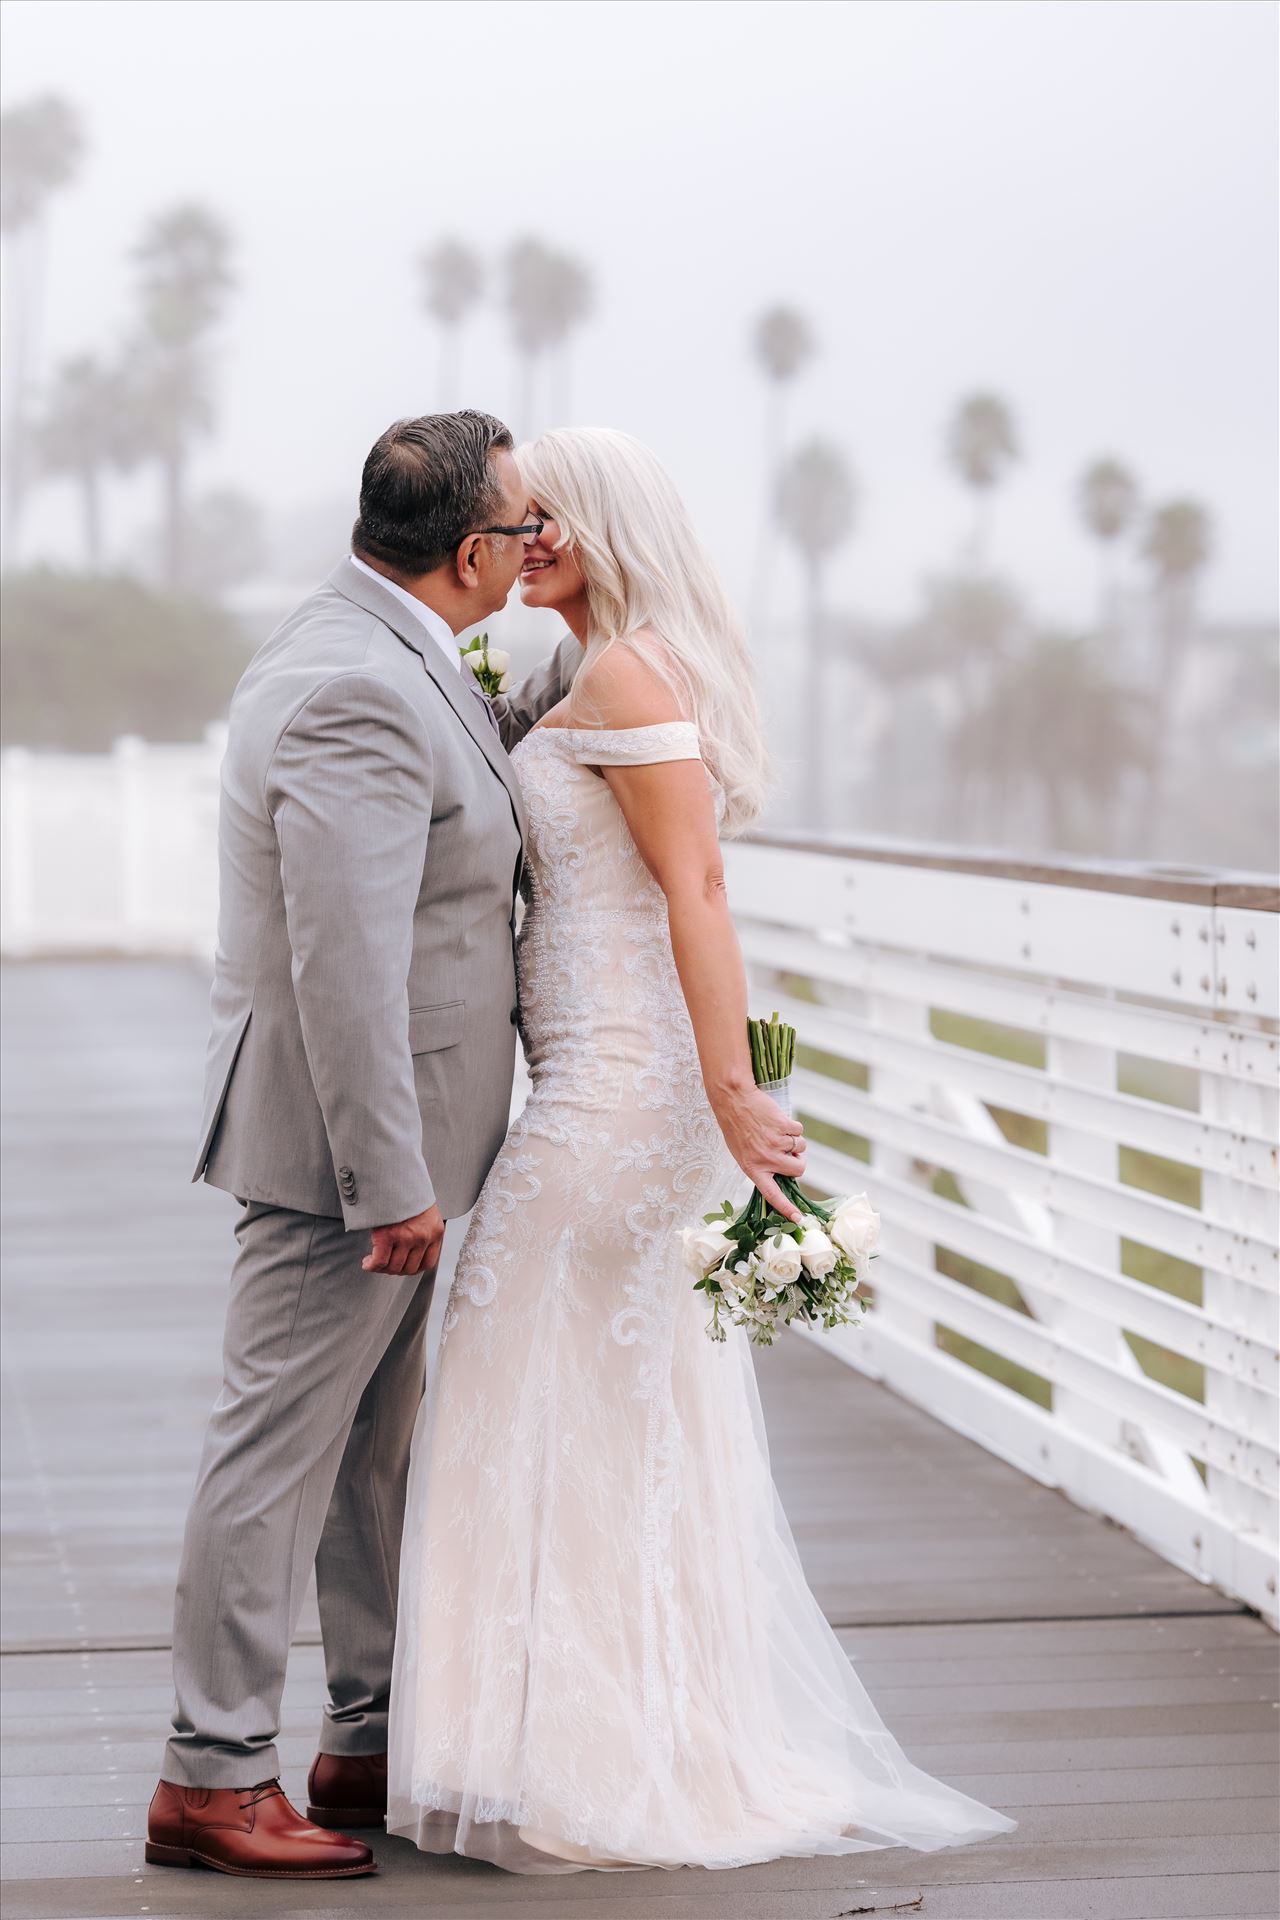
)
(113, 852)
(1117, 1255)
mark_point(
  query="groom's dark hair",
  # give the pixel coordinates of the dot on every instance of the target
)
(426, 485)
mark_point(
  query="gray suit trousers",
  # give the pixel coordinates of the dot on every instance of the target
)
(305, 1462)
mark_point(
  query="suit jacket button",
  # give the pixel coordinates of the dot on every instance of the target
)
(515, 1015)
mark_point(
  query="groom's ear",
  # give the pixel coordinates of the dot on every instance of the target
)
(467, 562)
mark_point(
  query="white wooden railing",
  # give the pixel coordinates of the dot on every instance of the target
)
(913, 974)
(1116, 1013)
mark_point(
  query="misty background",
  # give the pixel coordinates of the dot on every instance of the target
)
(955, 324)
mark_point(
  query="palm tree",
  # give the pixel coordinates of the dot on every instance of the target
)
(84, 430)
(970, 627)
(1058, 729)
(226, 543)
(816, 503)
(185, 274)
(41, 143)
(1108, 499)
(452, 283)
(936, 674)
(548, 294)
(783, 341)
(981, 442)
(1178, 544)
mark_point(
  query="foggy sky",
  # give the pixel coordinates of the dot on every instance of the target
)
(1072, 204)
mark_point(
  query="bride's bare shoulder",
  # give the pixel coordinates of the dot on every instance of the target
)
(624, 686)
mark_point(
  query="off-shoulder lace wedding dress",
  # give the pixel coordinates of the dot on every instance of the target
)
(607, 1653)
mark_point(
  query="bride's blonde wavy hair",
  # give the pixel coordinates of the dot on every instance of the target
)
(645, 568)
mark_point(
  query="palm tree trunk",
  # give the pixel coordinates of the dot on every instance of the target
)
(1056, 812)
(524, 411)
(813, 734)
(979, 530)
(172, 475)
(762, 572)
(91, 508)
(1174, 629)
(447, 375)
(22, 328)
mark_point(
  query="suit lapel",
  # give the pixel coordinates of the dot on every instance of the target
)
(384, 606)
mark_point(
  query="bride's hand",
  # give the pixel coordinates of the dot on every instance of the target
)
(764, 1141)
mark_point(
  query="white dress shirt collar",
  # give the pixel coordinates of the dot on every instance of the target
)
(439, 629)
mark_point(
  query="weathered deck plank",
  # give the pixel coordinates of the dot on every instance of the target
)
(1042, 1660)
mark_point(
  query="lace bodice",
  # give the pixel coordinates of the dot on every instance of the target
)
(580, 854)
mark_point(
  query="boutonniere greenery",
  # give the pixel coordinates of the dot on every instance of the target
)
(489, 664)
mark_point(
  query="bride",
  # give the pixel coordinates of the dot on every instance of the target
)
(607, 1653)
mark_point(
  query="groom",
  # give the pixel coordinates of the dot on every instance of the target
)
(357, 1090)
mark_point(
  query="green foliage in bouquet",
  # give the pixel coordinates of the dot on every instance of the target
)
(773, 1050)
(761, 1271)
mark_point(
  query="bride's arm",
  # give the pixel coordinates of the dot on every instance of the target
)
(671, 814)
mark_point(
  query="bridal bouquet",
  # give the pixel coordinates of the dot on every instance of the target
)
(761, 1271)
(489, 664)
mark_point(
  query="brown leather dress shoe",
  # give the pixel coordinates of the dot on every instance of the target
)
(348, 1790)
(248, 1830)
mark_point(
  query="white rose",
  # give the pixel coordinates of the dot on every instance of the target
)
(504, 683)
(855, 1227)
(735, 1279)
(779, 1260)
(704, 1248)
(817, 1254)
(499, 660)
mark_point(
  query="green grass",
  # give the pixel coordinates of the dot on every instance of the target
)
(1032, 1386)
(1162, 1270)
(1167, 1179)
(849, 1073)
(1170, 1369)
(1018, 1044)
(821, 1133)
(1158, 1080)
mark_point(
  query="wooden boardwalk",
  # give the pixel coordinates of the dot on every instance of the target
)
(1126, 1716)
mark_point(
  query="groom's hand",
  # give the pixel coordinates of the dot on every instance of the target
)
(411, 1246)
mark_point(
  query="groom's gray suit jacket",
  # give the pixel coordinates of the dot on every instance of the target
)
(370, 838)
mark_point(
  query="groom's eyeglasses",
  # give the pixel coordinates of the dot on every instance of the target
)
(528, 533)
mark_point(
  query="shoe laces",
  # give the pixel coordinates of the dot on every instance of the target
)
(265, 1790)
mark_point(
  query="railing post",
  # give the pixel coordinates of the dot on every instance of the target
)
(131, 825)
(18, 862)
(907, 1093)
(1086, 1064)
(1091, 1066)
(1250, 1211)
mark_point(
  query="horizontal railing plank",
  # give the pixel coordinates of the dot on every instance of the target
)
(1116, 942)
(1148, 879)
(1128, 1305)
(1162, 1224)
(1176, 1038)
(1124, 1118)
(1055, 1357)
